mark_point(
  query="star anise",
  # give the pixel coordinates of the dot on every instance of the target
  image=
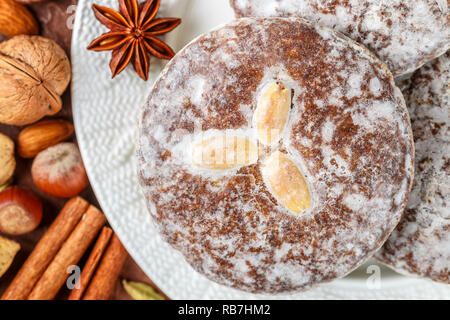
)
(132, 35)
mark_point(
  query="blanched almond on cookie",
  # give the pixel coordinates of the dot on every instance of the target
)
(286, 182)
(224, 152)
(272, 112)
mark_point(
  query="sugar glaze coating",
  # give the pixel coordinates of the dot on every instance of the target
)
(348, 131)
(403, 33)
(420, 245)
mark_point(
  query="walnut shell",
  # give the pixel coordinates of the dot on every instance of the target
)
(35, 71)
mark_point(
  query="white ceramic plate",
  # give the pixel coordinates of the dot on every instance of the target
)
(106, 114)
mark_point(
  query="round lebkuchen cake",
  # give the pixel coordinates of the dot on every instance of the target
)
(403, 33)
(275, 154)
(420, 245)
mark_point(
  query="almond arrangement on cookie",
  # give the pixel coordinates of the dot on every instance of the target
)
(275, 152)
(281, 159)
(405, 35)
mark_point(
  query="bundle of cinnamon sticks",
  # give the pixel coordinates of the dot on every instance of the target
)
(48, 267)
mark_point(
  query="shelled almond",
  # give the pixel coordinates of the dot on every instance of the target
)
(286, 182)
(281, 175)
(224, 152)
(272, 112)
(16, 19)
(40, 136)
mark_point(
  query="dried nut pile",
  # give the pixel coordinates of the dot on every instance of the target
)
(280, 173)
(34, 72)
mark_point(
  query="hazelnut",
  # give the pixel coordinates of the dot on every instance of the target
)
(20, 211)
(59, 171)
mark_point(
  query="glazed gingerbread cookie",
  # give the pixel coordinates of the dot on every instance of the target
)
(420, 245)
(403, 33)
(275, 154)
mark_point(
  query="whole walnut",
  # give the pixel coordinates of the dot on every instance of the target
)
(34, 73)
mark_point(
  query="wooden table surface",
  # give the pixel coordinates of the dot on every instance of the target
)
(55, 18)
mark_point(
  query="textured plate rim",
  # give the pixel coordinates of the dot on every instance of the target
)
(340, 285)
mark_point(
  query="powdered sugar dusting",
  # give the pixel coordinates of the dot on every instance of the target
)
(227, 224)
(375, 86)
(404, 34)
(421, 243)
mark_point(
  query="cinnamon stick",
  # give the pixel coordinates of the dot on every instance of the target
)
(105, 278)
(92, 263)
(45, 250)
(70, 253)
